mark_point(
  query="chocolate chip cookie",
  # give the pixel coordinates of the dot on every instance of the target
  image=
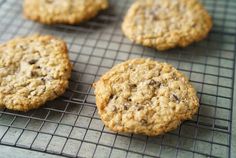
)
(62, 11)
(144, 96)
(33, 70)
(165, 24)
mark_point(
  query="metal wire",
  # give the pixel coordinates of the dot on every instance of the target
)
(70, 125)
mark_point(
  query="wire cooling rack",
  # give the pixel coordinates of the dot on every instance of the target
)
(70, 125)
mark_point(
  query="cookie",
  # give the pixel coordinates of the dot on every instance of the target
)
(33, 70)
(165, 24)
(62, 11)
(143, 96)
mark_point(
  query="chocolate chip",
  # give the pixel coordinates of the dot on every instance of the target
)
(49, 1)
(154, 83)
(133, 85)
(113, 97)
(153, 14)
(140, 108)
(174, 98)
(131, 67)
(174, 76)
(34, 74)
(143, 121)
(125, 107)
(43, 80)
(22, 47)
(156, 18)
(194, 25)
(33, 61)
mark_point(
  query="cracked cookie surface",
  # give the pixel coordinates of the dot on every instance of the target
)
(33, 70)
(165, 24)
(62, 11)
(144, 96)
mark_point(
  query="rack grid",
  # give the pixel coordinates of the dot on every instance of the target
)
(70, 126)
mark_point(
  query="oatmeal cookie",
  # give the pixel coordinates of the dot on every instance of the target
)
(62, 11)
(33, 70)
(143, 96)
(165, 24)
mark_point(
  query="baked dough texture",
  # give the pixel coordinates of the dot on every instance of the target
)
(62, 11)
(165, 24)
(143, 96)
(33, 70)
